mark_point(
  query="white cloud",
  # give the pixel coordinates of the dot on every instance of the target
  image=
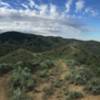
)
(25, 6)
(49, 11)
(43, 9)
(4, 4)
(38, 25)
(5, 12)
(44, 21)
(32, 4)
(80, 4)
(53, 11)
(26, 21)
(68, 6)
(91, 11)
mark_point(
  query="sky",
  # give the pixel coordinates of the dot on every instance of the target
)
(79, 19)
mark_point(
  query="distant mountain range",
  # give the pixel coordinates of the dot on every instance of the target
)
(21, 43)
(10, 41)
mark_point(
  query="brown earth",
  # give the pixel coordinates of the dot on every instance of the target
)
(3, 87)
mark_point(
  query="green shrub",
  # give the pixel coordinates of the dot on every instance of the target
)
(93, 86)
(73, 95)
(47, 64)
(58, 83)
(48, 91)
(72, 63)
(22, 78)
(5, 68)
(19, 95)
(80, 76)
(44, 68)
(43, 73)
(20, 83)
(16, 94)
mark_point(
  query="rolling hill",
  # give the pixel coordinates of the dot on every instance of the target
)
(20, 55)
(68, 69)
(15, 45)
(11, 41)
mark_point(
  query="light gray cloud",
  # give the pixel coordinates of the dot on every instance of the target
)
(68, 5)
(44, 20)
(43, 25)
(80, 4)
(91, 11)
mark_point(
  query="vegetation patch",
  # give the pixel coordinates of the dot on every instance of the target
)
(5, 68)
(93, 86)
(21, 82)
(80, 75)
(73, 95)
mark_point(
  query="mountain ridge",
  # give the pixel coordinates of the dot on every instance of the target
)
(47, 46)
(9, 33)
(10, 41)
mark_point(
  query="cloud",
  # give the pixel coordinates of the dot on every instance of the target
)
(41, 19)
(43, 10)
(68, 6)
(91, 11)
(85, 10)
(25, 6)
(43, 26)
(4, 4)
(80, 4)
(32, 4)
(53, 11)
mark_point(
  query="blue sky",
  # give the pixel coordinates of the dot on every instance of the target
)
(78, 19)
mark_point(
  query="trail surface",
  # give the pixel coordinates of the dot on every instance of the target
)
(3, 87)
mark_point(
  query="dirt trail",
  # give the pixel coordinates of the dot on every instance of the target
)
(39, 95)
(3, 87)
(64, 69)
(91, 97)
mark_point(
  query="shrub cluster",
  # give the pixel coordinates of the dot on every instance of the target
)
(5, 68)
(93, 86)
(21, 82)
(45, 67)
(80, 76)
(22, 78)
(73, 95)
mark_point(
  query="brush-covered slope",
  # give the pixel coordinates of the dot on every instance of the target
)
(15, 46)
(11, 41)
(81, 52)
(20, 55)
(68, 69)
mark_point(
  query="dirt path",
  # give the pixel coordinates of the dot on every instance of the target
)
(64, 69)
(91, 97)
(3, 87)
(39, 95)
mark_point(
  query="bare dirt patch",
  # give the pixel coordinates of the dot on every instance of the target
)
(91, 97)
(3, 87)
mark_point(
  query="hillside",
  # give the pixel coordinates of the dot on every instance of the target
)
(19, 46)
(48, 68)
(20, 55)
(11, 41)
